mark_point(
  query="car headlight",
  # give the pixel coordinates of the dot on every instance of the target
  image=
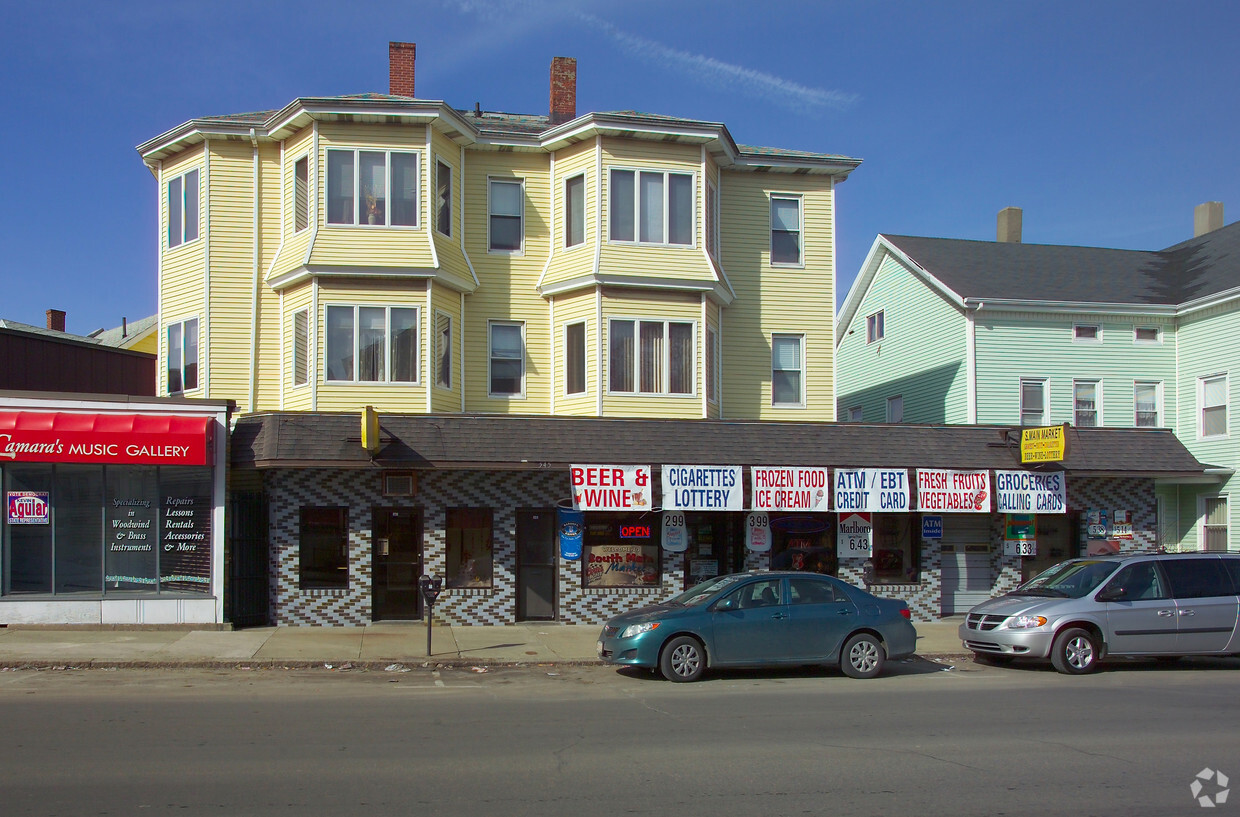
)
(638, 629)
(1025, 622)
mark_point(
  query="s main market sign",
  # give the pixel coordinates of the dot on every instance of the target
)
(115, 439)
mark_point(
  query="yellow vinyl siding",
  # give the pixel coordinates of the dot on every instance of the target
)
(712, 322)
(372, 247)
(293, 251)
(507, 288)
(391, 397)
(448, 302)
(569, 263)
(774, 300)
(182, 268)
(652, 306)
(296, 398)
(227, 344)
(451, 258)
(570, 309)
(267, 378)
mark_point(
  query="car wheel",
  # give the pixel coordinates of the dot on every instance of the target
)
(683, 659)
(1075, 652)
(863, 656)
(992, 659)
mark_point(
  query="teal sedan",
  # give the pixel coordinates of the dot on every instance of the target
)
(762, 619)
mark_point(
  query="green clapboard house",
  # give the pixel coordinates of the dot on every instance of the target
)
(947, 331)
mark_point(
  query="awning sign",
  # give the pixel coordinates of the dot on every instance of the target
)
(703, 488)
(115, 439)
(953, 491)
(855, 535)
(611, 487)
(1031, 492)
(870, 490)
(789, 489)
(29, 508)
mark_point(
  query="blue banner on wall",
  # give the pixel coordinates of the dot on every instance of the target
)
(570, 524)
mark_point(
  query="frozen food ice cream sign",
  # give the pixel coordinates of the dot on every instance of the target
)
(790, 489)
(28, 508)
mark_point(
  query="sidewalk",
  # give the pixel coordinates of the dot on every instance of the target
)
(373, 646)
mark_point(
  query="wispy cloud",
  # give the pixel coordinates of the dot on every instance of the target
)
(707, 71)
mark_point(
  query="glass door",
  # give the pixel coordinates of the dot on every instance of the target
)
(397, 559)
(536, 564)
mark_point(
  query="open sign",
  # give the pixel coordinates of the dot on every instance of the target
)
(28, 508)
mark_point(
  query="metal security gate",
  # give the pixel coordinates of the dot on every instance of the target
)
(968, 577)
(247, 599)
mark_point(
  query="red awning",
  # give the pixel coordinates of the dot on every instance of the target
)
(132, 439)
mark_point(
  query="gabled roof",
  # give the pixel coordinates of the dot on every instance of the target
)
(1158, 281)
(127, 334)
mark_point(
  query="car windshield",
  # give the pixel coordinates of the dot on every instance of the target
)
(698, 594)
(1070, 580)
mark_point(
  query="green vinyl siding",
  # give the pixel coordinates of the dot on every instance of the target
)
(921, 357)
(1012, 346)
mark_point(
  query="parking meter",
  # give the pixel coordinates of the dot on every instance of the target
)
(430, 587)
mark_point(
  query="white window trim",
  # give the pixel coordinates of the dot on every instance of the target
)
(438, 342)
(667, 358)
(1094, 340)
(1201, 519)
(167, 184)
(1097, 384)
(882, 319)
(168, 354)
(1046, 399)
(1158, 402)
(357, 224)
(439, 160)
(491, 357)
(519, 181)
(712, 396)
(667, 210)
(712, 214)
(1138, 342)
(899, 397)
(801, 403)
(292, 352)
(585, 210)
(1201, 407)
(309, 195)
(387, 357)
(859, 411)
(770, 250)
(585, 358)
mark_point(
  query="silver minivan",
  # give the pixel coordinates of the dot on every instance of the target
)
(1083, 610)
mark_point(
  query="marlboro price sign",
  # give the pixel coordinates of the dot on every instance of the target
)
(940, 491)
(855, 535)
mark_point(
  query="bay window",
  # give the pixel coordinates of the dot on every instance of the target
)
(372, 187)
(372, 344)
(652, 207)
(183, 356)
(651, 357)
(183, 209)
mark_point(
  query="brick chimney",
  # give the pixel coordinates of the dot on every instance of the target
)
(563, 89)
(1207, 218)
(400, 68)
(1009, 225)
(56, 320)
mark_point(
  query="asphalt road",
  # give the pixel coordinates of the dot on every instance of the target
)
(928, 739)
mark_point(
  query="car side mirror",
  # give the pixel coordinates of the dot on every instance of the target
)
(726, 604)
(1111, 594)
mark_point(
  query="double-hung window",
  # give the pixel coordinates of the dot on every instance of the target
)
(183, 209)
(788, 370)
(575, 358)
(1087, 333)
(372, 187)
(507, 359)
(895, 409)
(786, 230)
(301, 347)
(1146, 398)
(507, 209)
(1086, 403)
(372, 344)
(1032, 402)
(575, 211)
(1213, 523)
(301, 194)
(874, 327)
(443, 350)
(1212, 399)
(183, 356)
(443, 198)
(652, 207)
(651, 357)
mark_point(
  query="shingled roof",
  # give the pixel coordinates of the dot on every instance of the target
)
(1197, 268)
(294, 439)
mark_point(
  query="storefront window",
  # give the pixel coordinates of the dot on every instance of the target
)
(185, 535)
(714, 547)
(324, 549)
(804, 542)
(897, 548)
(78, 490)
(621, 550)
(469, 547)
(131, 507)
(28, 536)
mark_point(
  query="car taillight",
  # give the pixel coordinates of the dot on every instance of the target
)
(905, 612)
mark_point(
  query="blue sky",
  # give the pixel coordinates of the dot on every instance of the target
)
(1107, 122)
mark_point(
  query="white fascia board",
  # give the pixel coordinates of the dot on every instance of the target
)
(1074, 307)
(1223, 298)
(305, 273)
(712, 288)
(192, 132)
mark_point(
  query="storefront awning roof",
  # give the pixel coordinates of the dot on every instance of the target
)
(292, 439)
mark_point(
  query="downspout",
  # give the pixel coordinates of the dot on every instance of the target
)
(598, 346)
(835, 263)
(970, 353)
(551, 331)
(205, 349)
(161, 373)
(461, 342)
(705, 357)
(598, 252)
(254, 293)
(314, 344)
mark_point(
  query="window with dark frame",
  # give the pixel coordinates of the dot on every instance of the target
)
(575, 358)
(470, 547)
(183, 356)
(323, 549)
(183, 209)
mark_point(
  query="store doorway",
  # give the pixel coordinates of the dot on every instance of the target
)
(396, 534)
(536, 564)
(1053, 538)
